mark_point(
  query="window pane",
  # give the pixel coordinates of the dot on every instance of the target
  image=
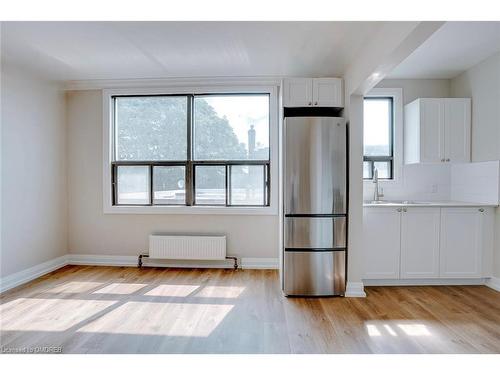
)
(231, 127)
(169, 185)
(133, 185)
(384, 170)
(247, 185)
(151, 128)
(367, 169)
(377, 126)
(210, 188)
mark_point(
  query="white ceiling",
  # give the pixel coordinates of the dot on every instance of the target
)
(454, 48)
(119, 50)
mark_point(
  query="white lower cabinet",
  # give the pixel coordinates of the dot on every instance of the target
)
(381, 242)
(427, 242)
(420, 242)
(461, 242)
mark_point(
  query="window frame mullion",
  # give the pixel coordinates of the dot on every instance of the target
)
(151, 188)
(189, 179)
(228, 185)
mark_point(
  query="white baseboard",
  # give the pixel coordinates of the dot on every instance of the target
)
(420, 282)
(102, 260)
(493, 283)
(355, 289)
(260, 263)
(24, 276)
(131, 261)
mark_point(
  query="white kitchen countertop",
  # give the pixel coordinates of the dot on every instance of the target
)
(419, 203)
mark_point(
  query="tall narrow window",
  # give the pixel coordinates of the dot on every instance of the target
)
(207, 150)
(378, 143)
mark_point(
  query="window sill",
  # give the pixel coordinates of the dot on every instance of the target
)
(394, 183)
(381, 181)
(190, 210)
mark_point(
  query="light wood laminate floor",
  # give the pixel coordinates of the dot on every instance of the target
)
(87, 309)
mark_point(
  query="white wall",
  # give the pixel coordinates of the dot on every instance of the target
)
(482, 84)
(354, 111)
(93, 232)
(418, 182)
(388, 48)
(34, 210)
(418, 88)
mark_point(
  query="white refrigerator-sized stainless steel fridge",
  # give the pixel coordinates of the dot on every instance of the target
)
(315, 206)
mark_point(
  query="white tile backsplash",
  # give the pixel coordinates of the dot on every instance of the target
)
(418, 182)
(468, 182)
(476, 182)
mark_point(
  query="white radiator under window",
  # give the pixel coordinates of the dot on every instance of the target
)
(187, 247)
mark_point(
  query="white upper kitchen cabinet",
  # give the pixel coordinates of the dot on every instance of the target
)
(313, 92)
(420, 242)
(327, 92)
(437, 130)
(298, 92)
(461, 248)
(381, 242)
(457, 130)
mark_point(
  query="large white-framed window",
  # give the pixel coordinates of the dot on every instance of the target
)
(189, 150)
(383, 135)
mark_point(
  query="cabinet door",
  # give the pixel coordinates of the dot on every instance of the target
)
(381, 242)
(432, 144)
(420, 243)
(297, 92)
(460, 244)
(327, 92)
(457, 129)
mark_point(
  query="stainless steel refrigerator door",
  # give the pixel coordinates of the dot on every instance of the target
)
(314, 273)
(315, 232)
(315, 165)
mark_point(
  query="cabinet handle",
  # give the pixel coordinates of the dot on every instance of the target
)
(399, 210)
(315, 103)
(404, 209)
(310, 103)
(481, 210)
(442, 160)
(447, 159)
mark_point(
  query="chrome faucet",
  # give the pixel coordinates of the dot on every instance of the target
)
(377, 195)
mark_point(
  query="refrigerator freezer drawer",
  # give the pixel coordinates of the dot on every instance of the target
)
(315, 232)
(314, 273)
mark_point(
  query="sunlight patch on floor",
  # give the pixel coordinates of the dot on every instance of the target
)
(168, 290)
(58, 315)
(415, 329)
(390, 330)
(153, 318)
(221, 291)
(372, 330)
(120, 288)
(75, 287)
(395, 328)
